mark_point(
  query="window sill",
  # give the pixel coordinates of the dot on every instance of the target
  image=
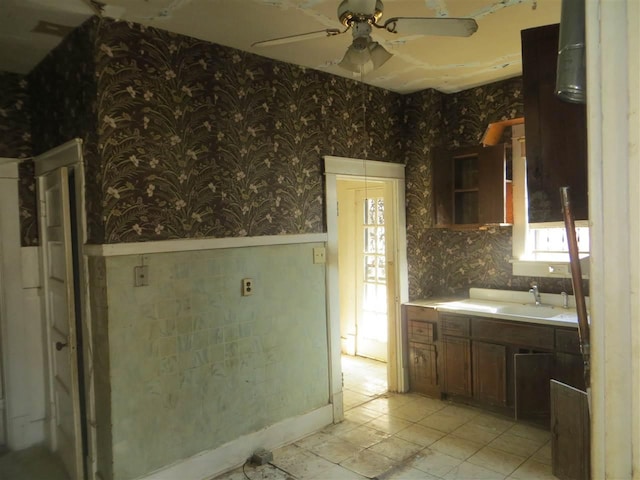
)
(551, 268)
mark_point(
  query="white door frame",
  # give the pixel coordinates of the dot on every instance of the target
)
(69, 155)
(613, 117)
(393, 174)
(18, 391)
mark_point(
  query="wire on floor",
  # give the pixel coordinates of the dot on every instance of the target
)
(243, 471)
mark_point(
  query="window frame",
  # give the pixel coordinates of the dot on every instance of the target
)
(523, 260)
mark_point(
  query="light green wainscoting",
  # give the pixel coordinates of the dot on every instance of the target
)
(194, 364)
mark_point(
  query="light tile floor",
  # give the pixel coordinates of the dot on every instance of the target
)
(34, 463)
(407, 436)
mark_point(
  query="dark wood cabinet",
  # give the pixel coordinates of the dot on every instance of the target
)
(422, 335)
(570, 436)
(471, 186)
(532, 372)
(456, 366)
(489, 373)
(569, 369)
(423, 368)
(502, 365)
(568, 363)
(555, 130)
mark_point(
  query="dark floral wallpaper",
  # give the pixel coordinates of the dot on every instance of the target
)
(449, 262)
(468, 113)
(423, 120)
(445, 262)
(62, 91)
(15, 142)
(200, 140)
(183, 138)
(442, 262)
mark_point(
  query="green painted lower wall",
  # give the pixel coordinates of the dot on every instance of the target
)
(194, 364)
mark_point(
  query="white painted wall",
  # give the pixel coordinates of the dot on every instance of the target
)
(20, 323)
(613, 106)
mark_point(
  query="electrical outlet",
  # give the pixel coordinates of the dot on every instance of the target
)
(247, 287)
(319, 255)
(141, 276)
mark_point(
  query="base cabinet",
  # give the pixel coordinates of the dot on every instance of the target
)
(422, 340)
(423, 368)
(532, 374)
(456, 366)
(499, 364)
(490, 373)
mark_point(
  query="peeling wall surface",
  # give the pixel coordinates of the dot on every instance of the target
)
(194, 364)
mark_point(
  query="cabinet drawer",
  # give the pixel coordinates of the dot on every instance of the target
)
(567, 340)
(424, 332)
(525, 335)
(456, 326)
(421, 313)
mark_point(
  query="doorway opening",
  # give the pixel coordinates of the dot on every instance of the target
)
(363, 289)
(366, 278)
(364, 380)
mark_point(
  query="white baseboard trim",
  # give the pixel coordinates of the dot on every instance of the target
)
(209, 464)
(192, 244)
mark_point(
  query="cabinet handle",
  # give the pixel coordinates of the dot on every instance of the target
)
(60, 345)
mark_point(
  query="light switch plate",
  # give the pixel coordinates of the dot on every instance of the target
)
(319, 255)
(141, 276)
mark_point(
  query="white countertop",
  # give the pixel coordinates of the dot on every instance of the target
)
(508, 305)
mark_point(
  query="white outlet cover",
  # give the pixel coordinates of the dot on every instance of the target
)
(247, 287)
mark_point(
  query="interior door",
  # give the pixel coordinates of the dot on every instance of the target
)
(55, 223)
(371, 274)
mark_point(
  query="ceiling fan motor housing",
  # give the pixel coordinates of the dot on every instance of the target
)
(348, 12)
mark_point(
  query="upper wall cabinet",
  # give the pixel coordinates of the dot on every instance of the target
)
(472, 186)
(556, 132)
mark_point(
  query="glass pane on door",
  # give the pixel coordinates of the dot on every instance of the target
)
(372, 319)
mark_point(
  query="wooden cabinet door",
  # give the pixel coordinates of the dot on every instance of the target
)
(532, 376)
(456, 353)
(569, 369)
(442, 186)
(469, 185)
(423, 368)
(489, 373)
(491, 184)
(556, 132)
(570, 439)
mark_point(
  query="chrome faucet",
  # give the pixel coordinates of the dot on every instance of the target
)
(536, 293)
(565, 299)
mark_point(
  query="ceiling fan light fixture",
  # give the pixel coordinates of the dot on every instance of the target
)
(379, 54)
(366, 60)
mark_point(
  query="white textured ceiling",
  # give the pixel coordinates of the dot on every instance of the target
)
(448, 64)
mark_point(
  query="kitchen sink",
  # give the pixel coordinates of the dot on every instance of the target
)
(537, 311)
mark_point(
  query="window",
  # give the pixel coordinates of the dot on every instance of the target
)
(540, 249)
(549, 241)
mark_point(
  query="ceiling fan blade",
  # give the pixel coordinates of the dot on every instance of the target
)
(454, 27)
(328, 32)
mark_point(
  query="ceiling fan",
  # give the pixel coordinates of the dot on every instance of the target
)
(361, 16)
